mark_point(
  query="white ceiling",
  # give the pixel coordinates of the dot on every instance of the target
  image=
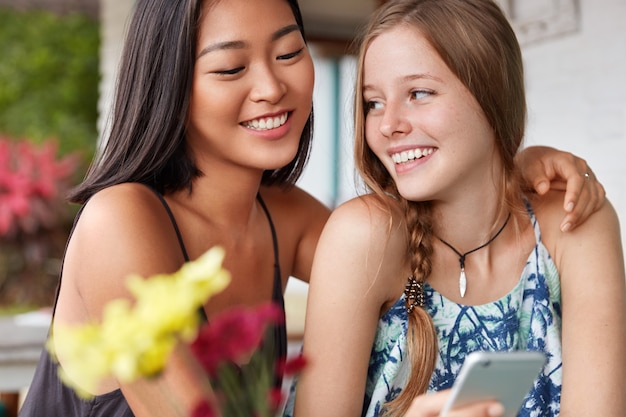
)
(335, 19)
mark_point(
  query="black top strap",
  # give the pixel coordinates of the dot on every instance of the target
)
(278, 285)
(173, 220)
(280, 330)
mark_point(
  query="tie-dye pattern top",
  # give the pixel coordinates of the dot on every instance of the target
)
(528, 318)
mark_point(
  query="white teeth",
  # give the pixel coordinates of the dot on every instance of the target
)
(410, 155)
(267, 123)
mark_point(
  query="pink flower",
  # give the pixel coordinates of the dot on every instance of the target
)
(32, 185)
(49, 170)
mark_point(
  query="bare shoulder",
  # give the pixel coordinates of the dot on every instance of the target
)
(123, 199)
(123, 213)
(549, 211)
(601, 228)
(123, 229)
(368, 215)
(371, 238)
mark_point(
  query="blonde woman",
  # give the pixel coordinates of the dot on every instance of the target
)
(449, 254)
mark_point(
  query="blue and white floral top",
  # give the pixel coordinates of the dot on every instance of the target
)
(528, 318)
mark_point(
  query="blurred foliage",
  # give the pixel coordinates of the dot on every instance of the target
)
(49, 78)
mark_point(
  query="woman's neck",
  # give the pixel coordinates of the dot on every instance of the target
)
(229, 202)
(469, 221)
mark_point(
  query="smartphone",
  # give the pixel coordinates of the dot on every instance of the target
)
(503, 376)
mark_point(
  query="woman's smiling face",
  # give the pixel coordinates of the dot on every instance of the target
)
(422, 122)
(253, 85)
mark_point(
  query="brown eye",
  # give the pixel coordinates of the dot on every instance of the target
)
(371, 105)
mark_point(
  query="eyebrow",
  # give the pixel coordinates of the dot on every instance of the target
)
(241, 44)
(408, 78)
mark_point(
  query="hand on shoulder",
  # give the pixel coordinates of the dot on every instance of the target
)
(600, 226)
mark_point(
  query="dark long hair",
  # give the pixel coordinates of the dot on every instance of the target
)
(146, 142)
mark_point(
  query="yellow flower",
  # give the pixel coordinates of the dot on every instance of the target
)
(87, 366)
(135, 340)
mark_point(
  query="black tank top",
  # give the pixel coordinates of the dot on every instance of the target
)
(49, 397)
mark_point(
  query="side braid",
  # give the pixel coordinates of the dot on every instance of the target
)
(421, 336)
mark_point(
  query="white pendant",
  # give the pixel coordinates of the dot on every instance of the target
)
(462, 283)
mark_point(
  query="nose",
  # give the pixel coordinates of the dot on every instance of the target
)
(394, 120)
(267, 85)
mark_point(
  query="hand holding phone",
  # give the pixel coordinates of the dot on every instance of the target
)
(502, 376)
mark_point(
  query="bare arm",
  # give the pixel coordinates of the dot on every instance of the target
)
(350, 282)
(590, 261)
(125, 230)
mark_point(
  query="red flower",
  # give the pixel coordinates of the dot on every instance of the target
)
(239, 336)
(233, 335)
(291, 366)
(276, 397)
(203, 409)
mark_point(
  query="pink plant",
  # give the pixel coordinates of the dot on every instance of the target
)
(32, 184)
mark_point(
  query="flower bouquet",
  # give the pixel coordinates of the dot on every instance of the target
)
(134, 340)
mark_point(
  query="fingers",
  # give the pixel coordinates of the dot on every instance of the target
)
(482, 409)
(566, 167)
(547, 168)
(535, 172)
(587, 193)
(430, 405)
